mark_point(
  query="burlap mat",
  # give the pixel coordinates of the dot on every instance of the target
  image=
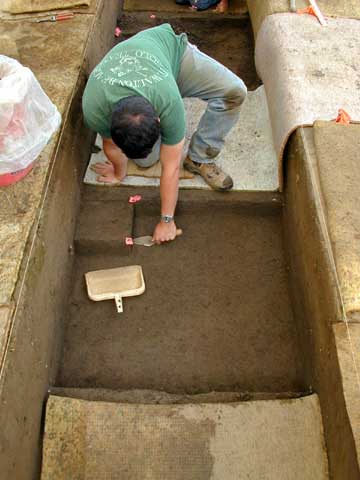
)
(132, 169)
(309, 71)
(31, 6)
(260, 9)
(338, 156)
(152, 172)
(98, 441)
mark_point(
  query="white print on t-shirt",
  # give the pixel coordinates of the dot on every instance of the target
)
(134, 69)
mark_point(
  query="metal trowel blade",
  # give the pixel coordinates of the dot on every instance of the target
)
(145, 241)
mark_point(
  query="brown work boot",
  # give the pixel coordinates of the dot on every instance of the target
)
(211, 173)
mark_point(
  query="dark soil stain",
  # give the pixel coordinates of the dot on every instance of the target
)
(229, 41)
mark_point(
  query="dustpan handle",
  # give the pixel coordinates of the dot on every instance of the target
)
(119, 303)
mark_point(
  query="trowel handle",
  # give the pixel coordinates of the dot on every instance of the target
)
(178, 233)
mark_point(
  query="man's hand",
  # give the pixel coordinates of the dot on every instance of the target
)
(108, 178)
(114, 170)
(106, 172)
(103, 168)
(164, 232)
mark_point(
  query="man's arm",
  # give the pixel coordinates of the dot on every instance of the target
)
(114, 171)
(170, 157)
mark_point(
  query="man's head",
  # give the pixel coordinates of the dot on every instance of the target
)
(135, 126)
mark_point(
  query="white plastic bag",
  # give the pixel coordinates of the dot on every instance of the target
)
(27, 116)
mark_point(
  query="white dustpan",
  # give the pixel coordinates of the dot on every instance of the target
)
(115, 283)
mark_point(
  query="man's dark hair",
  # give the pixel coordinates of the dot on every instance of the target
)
(135, 126)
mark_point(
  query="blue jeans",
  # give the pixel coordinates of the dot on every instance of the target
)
(203, 77)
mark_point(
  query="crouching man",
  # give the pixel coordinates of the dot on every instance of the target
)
(133, 99)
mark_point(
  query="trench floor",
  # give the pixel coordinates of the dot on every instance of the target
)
(216, 314)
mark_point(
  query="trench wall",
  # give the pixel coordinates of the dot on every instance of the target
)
(316, 299)
(31, 355)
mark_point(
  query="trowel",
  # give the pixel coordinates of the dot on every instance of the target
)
(147, 240)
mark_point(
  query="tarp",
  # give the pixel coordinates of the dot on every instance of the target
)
(309, 71)
(274, 439)
(260, 9)
(248, 156)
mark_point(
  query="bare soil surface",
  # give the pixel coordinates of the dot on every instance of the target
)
(216, 314)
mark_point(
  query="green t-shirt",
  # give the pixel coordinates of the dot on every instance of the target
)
(147, 64)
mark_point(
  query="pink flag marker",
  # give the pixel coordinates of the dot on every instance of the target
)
(135, 199)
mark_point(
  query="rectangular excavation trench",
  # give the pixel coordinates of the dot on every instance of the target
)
(216, 314)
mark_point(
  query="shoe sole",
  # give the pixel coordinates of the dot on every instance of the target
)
(193, 169)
